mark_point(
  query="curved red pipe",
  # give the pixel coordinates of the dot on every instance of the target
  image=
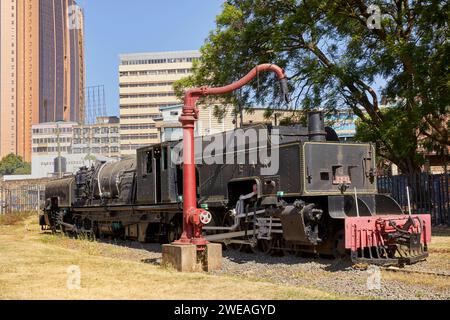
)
(204, 91)
(191, 232)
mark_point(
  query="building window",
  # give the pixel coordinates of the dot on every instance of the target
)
(142, 136)
(137, 127)
(147, 95)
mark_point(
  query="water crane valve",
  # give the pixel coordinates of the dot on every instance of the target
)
(200, 217)
(205, 218)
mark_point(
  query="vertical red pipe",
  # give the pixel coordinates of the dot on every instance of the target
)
(188, 119)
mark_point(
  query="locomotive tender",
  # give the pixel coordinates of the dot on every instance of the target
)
(322, 199)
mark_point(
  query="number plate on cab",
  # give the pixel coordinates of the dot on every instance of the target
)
(342, 180)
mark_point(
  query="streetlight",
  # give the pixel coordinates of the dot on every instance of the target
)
(58, 144)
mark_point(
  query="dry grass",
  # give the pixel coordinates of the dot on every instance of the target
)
(440, 249)
(11, 219)
(91, 247)
(441, 231)
(440, 241)
(34, 266)
(436, 282)
(439, 259)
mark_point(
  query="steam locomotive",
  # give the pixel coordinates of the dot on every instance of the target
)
(321, 198)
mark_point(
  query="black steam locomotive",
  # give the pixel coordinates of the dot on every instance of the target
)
(319, 195)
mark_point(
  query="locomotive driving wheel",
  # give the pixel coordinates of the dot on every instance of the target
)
(338, 249)
(289, 248)
(273, 247)
(250, 247)
(265, 246)
(174, 232)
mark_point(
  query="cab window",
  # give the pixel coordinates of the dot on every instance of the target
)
(149, 164)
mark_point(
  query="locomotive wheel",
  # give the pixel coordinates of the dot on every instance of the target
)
(233, 246)
(278, 243)
(96, 231)
(289, 248)
(62, 229)
(265, 246)
(339, 251)
(174, 232)
(247, 248)
(251, 247)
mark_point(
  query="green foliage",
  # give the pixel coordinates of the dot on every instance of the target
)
(24, 170)
(336, 61)
(14, 165)
(90, 157)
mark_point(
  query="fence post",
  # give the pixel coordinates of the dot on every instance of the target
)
(38, 198)
(446, 193)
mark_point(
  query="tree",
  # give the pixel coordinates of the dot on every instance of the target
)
(14, 165)
(336, 58)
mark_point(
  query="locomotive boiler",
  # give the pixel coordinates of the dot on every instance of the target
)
(275, 189)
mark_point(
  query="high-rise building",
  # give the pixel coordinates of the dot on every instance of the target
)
(8, 76)
(41, 68)
(27, 74)
(61, 95)
(146, 81)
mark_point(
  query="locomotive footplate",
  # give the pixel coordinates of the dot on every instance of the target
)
(388, 240)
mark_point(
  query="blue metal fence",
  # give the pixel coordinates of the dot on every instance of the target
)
(429, 194)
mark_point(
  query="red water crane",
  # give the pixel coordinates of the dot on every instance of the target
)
(193, 217)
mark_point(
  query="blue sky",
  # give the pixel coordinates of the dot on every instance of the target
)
(124, 26)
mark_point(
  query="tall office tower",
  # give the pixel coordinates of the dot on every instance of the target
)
(146, 81)
(8, 76)
(77, 67)
(61, 62)
(41, 68)
(27, 74)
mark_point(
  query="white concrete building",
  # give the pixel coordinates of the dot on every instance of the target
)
(170, 129)
(51, 138)
(47, 166)
(146, 81)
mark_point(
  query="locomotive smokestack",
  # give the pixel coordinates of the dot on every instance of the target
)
(316, 127)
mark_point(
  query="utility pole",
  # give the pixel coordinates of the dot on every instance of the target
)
(58, 133)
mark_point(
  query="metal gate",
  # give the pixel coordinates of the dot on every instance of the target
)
(21, 199)
(429, 194)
